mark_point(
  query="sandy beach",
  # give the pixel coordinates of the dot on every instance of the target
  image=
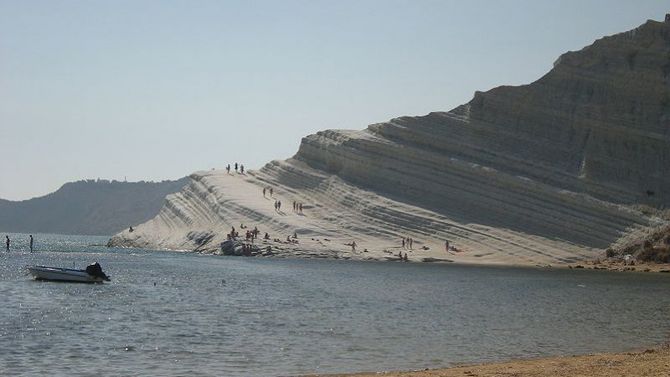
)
(649, 362)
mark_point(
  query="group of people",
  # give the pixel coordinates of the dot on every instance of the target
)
(293, 239)
(251, 235)
(297, 207)
(233, 234)
(247, 249)
(402, 257)
(8, 243)
(277, 201)
(240, 167)
(407, 243)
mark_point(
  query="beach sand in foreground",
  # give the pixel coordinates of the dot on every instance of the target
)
(652, 362)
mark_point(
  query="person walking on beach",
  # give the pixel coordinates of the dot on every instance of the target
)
(264, 192)
(353, 246)
(241, 169)
(271, 192)
(31, 243)
(7, 243)
(236, 167)
(446, 245)
(228, 168)
(403, 243)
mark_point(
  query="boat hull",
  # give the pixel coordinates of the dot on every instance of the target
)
(63, 274)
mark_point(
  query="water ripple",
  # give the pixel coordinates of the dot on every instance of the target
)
(181, 314)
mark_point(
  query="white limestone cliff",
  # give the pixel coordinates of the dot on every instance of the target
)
(550, 172)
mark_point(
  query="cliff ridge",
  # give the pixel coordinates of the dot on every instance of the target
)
(550, 172)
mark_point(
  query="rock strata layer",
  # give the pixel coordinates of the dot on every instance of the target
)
(550, 172)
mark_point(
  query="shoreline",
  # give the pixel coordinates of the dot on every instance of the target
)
(300, 253)
(647, 362)
(336, 216)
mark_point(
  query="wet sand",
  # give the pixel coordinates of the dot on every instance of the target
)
(650, 362)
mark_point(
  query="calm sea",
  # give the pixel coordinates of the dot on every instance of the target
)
(183, 314)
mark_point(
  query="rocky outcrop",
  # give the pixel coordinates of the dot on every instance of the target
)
(547, 172)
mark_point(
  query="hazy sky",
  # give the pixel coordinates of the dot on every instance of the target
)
(158, 89)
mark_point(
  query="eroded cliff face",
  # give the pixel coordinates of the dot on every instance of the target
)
(600, 119)
(597, 126)
(597, 123)
(541, 172)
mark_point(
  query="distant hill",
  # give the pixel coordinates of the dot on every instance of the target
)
(92, 207)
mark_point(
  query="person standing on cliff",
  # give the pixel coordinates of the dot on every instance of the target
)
(31, 243)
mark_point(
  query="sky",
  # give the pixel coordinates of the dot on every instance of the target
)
(154, 90)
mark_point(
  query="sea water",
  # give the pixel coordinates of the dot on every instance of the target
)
(169, 313)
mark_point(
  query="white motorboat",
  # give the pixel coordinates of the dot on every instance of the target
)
(92, 274)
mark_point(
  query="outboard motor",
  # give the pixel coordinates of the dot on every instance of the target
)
(94, 269)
